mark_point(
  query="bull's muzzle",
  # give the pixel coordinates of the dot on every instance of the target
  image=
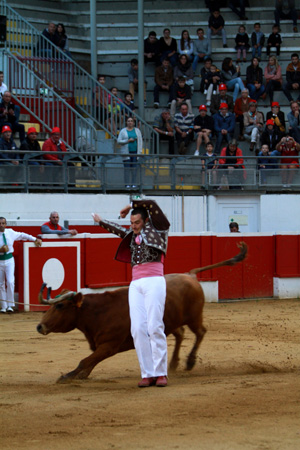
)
(41, 329)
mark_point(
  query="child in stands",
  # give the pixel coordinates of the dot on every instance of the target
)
(242, 44)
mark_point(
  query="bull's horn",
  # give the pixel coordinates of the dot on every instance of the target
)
(51, 301)
(40, 295)
(59, 298)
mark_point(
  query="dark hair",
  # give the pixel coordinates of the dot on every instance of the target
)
(216, 10)
(100, 76)
(2, 218)
(152, 33)
(200, 29)
(275, 26)
(234, 225)
(182, 40)
(1, 72)
(184, 104)
(256, 23)
(181, 79)
(165, 59)
(127, 93)
(167, 29)
(225, 64)
(254, 57)
(208, 59)
(209, 143)
(294, 55)
(134, 61)
(142, 211)
(63, 28)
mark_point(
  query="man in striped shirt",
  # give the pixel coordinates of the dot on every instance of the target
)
(184, 126)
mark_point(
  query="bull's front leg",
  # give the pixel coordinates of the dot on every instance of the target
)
(179, 335)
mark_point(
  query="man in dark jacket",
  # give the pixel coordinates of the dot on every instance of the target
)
(203, 127)
(271, 136)
(222, 97)
(44, 48)
(151, 48)
(224, 123)
(292, 77)
(8, 116)
(181, 93)
(31, 144)
(8, 148)
(163, 80)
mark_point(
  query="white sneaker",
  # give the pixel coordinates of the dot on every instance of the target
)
(3, 310)
(196, 153)
(10, 310)
(208, 103)
(205, 91)
(156, 105)
(214, 92)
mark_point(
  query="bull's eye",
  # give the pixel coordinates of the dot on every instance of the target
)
(59, 306)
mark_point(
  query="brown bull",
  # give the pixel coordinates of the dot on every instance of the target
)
(104, 318)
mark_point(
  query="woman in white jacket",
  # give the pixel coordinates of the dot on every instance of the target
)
(131, 141)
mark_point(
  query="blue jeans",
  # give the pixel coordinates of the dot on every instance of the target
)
(227, 137)
(255, 93)
(130, 170)
(197, 59)
(237, 85)
(258, 50)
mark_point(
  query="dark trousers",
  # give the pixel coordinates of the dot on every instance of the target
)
(271, 86)
(240, 120)
(157, 90)
(186, 140)
(269, 50)
(233, 6)
(171, 141)
(287, 87)
(290, 15)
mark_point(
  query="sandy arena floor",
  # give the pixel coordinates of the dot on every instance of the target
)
(244, 392)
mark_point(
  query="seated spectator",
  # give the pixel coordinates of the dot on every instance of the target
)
(151, 49)
(273, 77)
(240, 107)
(204, 73)
(212, 82)
(53, 227)
(164, 81)
(216, 26)
(294, 122)
(184, 124)
(209, 164)
(133, 78)
(231, 160)
(221, 97)
(224, 124)
(235, 4)
(115, 92)
(31, 144)
(129, 103)
(8, 116)
(242, 44)
(101, 99)
(181, 93)
(213, 5)
(271, 136)
(253, 123)
(168, 47)
(277, 116)
(285, 9)
(62, 39)
(292, 78)
(164, 125)
(203, 127)
(257, 41)
(264, 162)
(231, 76)
(201, 49)
(8, 148)
(3, 87)
(254, 79)
(274, 40)
(186, 45)
(45, 49)
(54, 144)
(288, 147)
(184, 69)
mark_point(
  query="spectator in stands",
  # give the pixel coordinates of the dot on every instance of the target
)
(204, 73)
(164, 81)
(216, 26)
(271, 136)
(285, 9)
(240, 107)
(201, 49)
(235, 4)
(151, 49)
(62, 39)
(8, 148)
(203, 127)
(168, 47)
(186, 45)
(234, 227)
(292, 77)
(242, 44)
(257, 41)
(294, 122)
(222, 97)
(31, 144)
(273, 77)
(253, 123)
(209, 164)
(164, 125)
(212, 81)
(3, 87)
(114, 112)
(231, 160)
(53, 227)
(224, 124)
(277, 116)
(181, 93)
(129, 103)
(8, 116)
(288, 147)
(184, 125)
(231, 76)
(254, 79)
(133, 78)
(101, 99)
(213, 5)
(264, 161)
(131, 141)
(44, 48)
(274, 40)
(184, 69)
(54, 144)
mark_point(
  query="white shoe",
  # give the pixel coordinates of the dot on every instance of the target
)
(196, 153)
(10, 310)
(205, 91)
(128, 186)
(156, 105)
(208, 103)
(3, 310)
(214, 92)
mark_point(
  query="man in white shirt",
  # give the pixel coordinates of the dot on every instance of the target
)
(3, 87)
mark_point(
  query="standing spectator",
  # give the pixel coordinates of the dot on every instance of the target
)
(253, 123)
(292, 77)
(222, 97)
(213, 5)
(240, 107)
(186, 45)
(3, 87)
(257, 41)
(184, 124)
(285, 9)
(151, 49)
(242, 44)
(8, 116)
(277, 116)
(62, 39)
(224, 124)
(203, 127)
(31, 144)
(234, 4)
(273, 77)
(209, 163)
(53, 227)
(264, 162)
(212, 81)
(294, 122)
(7, 264)
(164, 125)
(274, 40)
(114, 112)
(184, 69)
(164, 81)
(8, 154)
(232, 163)
(133, 78)
(216, 27)
(231, 76)
(181, 93)
(254, 79)
(44, 48)
(101, 99)
(129, 103)
(131, 141)
(201, 48)
(54, 144)
(271, 136)
(168, 47)
(288, 147)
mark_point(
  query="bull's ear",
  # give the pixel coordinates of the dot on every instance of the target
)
(78, 299)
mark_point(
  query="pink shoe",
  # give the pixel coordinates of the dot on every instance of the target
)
(162, 381)
(146, 382)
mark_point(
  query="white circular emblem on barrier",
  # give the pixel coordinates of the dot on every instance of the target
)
(53, 273)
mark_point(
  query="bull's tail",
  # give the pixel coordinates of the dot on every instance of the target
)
(229, 262)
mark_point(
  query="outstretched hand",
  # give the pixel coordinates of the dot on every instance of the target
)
(96, 217)
(125, 211)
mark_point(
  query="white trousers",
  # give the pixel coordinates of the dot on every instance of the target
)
(7, 271)
(147, 297)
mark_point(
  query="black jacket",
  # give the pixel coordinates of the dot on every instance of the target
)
(271, 141)
(254, 75)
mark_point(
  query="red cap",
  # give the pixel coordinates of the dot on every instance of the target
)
(222, 87)
(223, 105)
(202, 108)
(6, 128)
(55, 130)
(31, 130)
(274, 104)
(252, 101)
(270, 122)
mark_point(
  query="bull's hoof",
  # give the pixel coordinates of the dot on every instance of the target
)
(190, 363)
(173, 365)
(64, 379)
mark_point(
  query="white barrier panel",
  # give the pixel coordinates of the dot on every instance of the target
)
(286, 287)
(211, 291)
